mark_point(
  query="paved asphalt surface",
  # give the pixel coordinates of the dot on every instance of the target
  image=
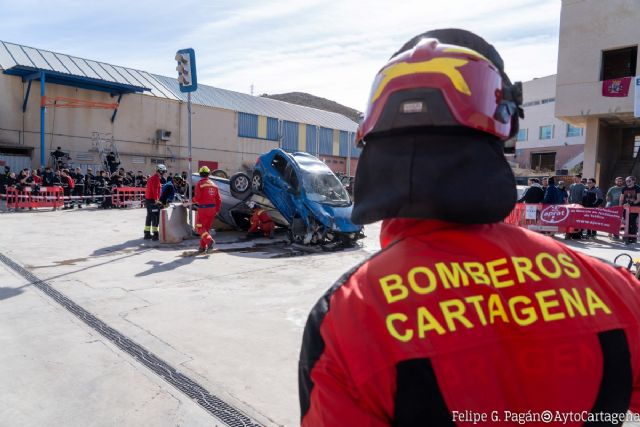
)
(101, 328)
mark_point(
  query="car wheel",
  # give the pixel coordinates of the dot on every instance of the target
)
(256, 182)
(239, 184)
(220, 173)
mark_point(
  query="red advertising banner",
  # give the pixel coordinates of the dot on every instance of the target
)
(576, 216)
(616, 87)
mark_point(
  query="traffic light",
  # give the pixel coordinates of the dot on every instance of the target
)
(186, 68)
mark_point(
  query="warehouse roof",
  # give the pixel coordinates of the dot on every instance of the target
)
(19, 60)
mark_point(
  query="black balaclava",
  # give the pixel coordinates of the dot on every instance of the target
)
(449, 173)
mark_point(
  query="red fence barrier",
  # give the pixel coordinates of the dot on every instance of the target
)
(128, 197)
(45, 197)
(570, 218)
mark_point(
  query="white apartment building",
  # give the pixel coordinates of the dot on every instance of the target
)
(597, 59)
(544, 142)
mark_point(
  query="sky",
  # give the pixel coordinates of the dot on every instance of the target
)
(329, 48)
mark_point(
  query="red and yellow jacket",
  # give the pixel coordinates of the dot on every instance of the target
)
(449, 321)
(206, 195)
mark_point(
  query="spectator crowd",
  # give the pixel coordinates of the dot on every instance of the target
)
(585, 192)
(82, 188)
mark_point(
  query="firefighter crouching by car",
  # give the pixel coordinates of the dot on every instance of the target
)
(260, 222)
(152, 202)
(460, 313)
(207, 199)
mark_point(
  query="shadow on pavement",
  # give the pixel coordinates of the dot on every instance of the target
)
(159, 267)
(6, 293)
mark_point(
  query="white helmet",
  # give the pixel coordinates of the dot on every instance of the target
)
(162, 168)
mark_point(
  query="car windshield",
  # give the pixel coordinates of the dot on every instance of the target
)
(324, 187)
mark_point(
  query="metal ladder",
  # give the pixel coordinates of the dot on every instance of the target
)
(104, 143)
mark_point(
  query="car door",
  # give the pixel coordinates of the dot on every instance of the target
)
(278, 188)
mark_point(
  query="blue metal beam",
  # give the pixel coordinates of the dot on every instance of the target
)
(42, 110)
(32, 76)
(115, 111)
(75, 81)
(26, 97)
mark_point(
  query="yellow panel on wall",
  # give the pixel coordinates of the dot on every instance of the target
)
(336, 142)
(302, 137)
(262, 127)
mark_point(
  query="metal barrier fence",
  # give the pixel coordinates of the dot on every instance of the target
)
(53, 197)
(27, 198)
(128, 197)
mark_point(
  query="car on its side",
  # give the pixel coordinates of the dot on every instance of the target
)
(234, 210)
(306, 192)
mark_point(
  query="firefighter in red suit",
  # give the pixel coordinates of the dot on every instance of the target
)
(207, 198)
(152, 203)
(260, 222)
(461, 319)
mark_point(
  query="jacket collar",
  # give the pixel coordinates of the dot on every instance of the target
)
(396, 229)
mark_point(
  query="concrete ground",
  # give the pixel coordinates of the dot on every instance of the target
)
(231, 321)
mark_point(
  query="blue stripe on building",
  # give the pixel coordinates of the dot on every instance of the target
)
(311, 147)
(247, 125)
(290, 136)
(344, 144)
(272, 129)
(326, 141)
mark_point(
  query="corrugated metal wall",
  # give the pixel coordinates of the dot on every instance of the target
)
(290, 136)
(311, 145)
(247, 125)
(272, 129)
(344, 144)
(262, 127)
(355, 151)
(335, 148)
(326, 141)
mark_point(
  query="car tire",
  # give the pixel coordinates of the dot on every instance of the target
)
(256, 182)
(220, 173)
(240, 185)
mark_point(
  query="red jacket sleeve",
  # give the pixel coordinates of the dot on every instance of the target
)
(152, 191)
(328, 394)
(196, 193)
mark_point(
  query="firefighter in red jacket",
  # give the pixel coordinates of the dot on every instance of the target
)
(207, 198)
(152, 203)
(461, 319)
(260, 222)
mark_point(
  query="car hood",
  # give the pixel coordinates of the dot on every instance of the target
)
(341, 216)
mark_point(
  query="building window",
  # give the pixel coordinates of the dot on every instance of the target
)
(157, 161)
(522, 135)
(619, 63)
(574, 131)
(543, 161)
(546, 132)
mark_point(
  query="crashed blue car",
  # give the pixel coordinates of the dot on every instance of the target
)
(307, 194)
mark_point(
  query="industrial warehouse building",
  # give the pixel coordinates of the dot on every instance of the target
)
(89, 108)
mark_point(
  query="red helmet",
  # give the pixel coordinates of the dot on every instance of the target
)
(437, 84)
